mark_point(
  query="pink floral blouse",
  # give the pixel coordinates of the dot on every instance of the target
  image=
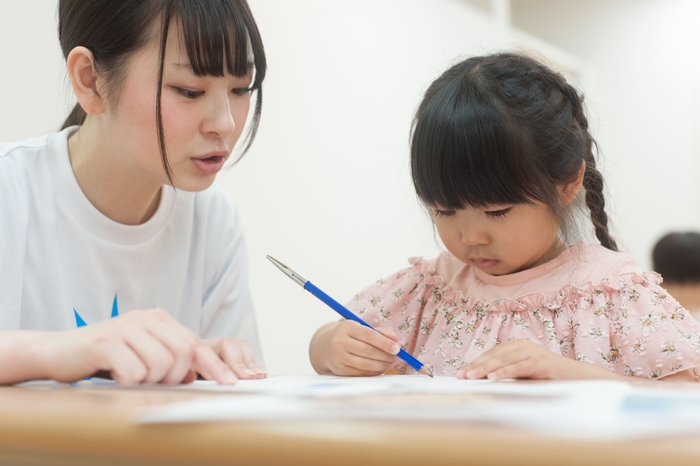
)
(589, 304)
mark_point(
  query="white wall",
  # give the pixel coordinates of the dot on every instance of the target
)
(326, 186)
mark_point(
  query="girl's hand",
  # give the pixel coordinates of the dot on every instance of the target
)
(238, 356)
(523, 359)
(137, 347)
(348, 348)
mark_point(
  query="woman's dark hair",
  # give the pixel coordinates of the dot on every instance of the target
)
(676, 257)
(504, 129)
(216, 34)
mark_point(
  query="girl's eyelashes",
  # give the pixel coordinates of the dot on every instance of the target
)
(498, 213)
(189, 93)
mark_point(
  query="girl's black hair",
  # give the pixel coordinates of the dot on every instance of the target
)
(216, 33)
(504, 129)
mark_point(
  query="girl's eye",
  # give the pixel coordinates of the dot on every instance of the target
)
(443, 213)
(190, 94)
(498, 213)
(240, 91)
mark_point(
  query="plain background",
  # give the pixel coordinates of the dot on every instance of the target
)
(325, 187)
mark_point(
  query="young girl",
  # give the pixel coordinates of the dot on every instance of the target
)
(500, 151)
(118, 212)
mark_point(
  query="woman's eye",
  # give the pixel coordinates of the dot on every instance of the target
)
(189, 93)
(443, 213)
(498, 213)
(240, 91)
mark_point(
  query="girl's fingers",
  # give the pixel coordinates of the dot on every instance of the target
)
(503, 351)
(364, 366)
(494, 362)
(363, 350)
(519, 370)
(208, 363)
(376, 339)
(388, 333)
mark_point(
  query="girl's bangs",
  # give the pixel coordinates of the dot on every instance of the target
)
(462, 153)
(220, 36)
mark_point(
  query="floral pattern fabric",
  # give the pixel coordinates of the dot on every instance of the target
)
(626, 323)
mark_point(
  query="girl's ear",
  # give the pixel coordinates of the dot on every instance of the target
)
(85, 80)
(570, 190)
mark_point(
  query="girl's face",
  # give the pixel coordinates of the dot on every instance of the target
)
(499, 240)
(203, 117)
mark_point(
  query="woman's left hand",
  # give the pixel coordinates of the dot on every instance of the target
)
(523, 359)
(238, 355)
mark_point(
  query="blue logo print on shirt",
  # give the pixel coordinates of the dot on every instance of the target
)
(81, 323)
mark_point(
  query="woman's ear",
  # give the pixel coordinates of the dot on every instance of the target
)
(85, 80)
(570, 190)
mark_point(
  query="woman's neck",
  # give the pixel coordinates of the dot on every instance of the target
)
(118, 192)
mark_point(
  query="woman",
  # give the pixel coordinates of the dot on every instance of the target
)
(118, 211)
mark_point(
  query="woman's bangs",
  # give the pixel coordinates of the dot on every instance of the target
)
(221, 36)
(460, 155)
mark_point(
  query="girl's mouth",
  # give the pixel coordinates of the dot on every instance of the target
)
(485, 263)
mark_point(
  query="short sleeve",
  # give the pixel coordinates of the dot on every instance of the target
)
(398, 301)
(650, 334)
(13, 238)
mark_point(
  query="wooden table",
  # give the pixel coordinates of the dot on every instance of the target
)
(67, 426)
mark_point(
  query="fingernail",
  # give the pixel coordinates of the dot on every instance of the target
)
(229, 378)
(472, 373)
(249, 372)
(491, 375)
(395, 349)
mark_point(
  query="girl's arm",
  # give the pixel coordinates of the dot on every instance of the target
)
(523, 359)
(138, 347)
(348, 348)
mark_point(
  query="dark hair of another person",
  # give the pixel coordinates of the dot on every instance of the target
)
(676, 257)
(504, 129)
(216, 34)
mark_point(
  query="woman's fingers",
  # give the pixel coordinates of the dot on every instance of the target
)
(210, 365)
(180, 343)
(239, 356)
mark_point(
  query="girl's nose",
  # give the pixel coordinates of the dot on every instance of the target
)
(220, 120)
(474, 236)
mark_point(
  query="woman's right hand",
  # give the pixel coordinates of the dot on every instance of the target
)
(137, 347)
(348, 348)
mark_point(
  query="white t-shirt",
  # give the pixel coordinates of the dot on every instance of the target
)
(63, 263)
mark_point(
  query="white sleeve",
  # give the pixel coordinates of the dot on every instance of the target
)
(227, 308)
(13, 237)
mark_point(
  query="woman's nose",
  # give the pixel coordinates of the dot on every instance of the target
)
(220, 119)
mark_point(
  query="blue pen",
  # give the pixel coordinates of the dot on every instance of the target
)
(339, 308)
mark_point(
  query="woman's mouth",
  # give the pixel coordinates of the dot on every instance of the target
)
(210, 165)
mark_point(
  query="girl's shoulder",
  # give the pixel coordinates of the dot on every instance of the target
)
(587, 268)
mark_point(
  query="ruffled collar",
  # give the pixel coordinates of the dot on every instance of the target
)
(524, 276)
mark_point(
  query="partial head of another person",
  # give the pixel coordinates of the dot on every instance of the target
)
(169, 82)
(676, 257)
(500, 149)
